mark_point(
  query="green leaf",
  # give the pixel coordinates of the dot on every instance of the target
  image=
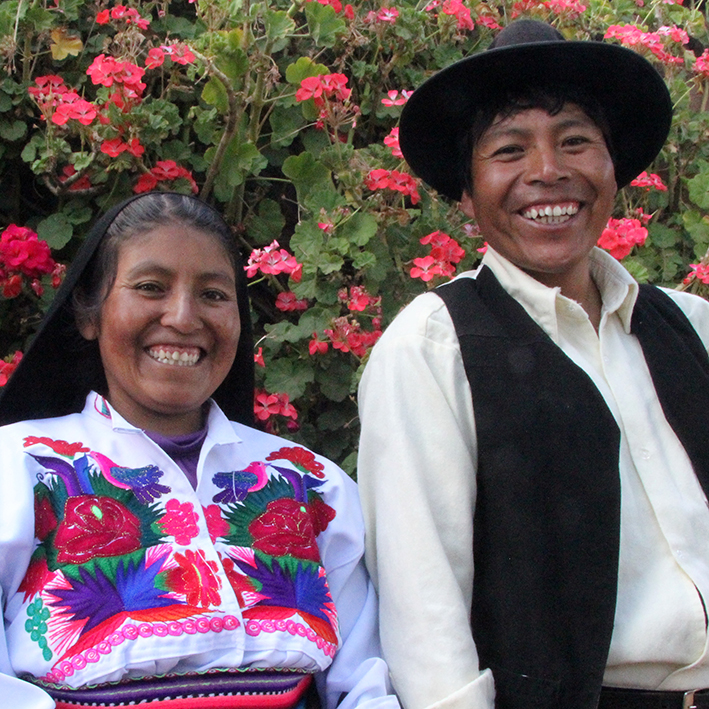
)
(307, 174)
(285, 375)
(307, 242)
(699, 187)
(662, 236)
(330, 263)
(267, 224)
(13, 131)
(56, 230)
(214, 94)
(359, 229)
(302, 69)
(286, 122)
(334, 381)
(40, 18)
(5, 102)
(278, 24)
(364, 260)
(235, 65)
(324, 24)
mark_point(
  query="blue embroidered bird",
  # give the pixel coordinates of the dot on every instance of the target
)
(142, 481)
(237, 484)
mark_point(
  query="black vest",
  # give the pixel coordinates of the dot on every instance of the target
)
(547, 519)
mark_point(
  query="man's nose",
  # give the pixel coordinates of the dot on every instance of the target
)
(546, 164)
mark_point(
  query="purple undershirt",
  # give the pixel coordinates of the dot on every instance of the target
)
(183, 449)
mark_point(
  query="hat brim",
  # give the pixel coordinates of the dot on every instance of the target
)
(634, 97)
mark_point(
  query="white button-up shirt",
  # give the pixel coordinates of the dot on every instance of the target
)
(418, 457)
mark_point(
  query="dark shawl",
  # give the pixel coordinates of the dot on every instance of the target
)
(60, 368)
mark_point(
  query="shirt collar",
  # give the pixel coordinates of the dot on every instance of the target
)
(219, 428)
(618, 289)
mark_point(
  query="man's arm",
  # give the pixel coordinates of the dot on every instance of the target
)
(417, 483)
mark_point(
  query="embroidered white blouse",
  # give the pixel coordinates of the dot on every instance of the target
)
(112, 566)
(416, 476)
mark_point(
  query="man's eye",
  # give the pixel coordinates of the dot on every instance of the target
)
(574, 140)
(215, 295)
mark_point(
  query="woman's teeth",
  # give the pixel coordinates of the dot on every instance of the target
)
(551, 215)
(181, 359)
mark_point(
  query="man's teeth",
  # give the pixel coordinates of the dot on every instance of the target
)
(551, 215)
(181, 359)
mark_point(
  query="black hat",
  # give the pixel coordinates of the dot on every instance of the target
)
(528, 53)
(60, 367)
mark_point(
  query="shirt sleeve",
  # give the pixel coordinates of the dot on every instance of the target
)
(16, 543)
(697, 311)
(416, 473)
(358, 676)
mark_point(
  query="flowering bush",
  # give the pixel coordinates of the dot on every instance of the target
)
(284, 115)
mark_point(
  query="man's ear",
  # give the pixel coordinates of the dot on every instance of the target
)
(466, 205)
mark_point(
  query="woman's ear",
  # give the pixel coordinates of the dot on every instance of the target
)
(466, 205)
(87, 327)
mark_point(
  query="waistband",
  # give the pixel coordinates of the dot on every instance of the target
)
(618, 698)
(219, 690)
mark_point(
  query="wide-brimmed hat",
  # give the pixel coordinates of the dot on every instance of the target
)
(528, 53)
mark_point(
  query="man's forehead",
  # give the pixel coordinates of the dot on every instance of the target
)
(524, 119)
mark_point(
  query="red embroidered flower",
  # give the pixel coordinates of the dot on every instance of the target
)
(302, 458)
(216, 524)
(322, 514)
(285, 529)
(45, 521)
(35, 579)
(95, 526)
(196, 578)
(241, 584)
(180, 521)
(60, 447)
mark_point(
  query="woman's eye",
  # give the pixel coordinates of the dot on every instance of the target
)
(149, 287)
(507, 151)
(215, 295)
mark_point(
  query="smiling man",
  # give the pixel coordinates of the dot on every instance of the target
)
(534, 462)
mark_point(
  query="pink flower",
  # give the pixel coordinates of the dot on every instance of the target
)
(180, 521)
(699, 271)
(393, 98)
(649, 181)
(392, 141)
(156, 58)
(258, 358)
(425, 268)
(288, 302)
(460, 12)
(8, 366)
(317, 346)
(179, 53)
(272, 260)
(620, 235)
(267, 405)
(388, 14)
(701, 65)
(103, 17)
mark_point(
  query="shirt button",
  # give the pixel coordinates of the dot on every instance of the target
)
(645, 454)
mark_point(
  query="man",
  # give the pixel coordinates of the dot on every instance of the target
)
(533, 462)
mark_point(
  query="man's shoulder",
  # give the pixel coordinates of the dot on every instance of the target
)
(695, 308)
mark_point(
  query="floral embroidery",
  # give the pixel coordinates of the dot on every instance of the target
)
(95, 526)
(45, 521)
(196, 578)
(36, 626)
(180, 521)
(303, 459)
(216, 524)
(285, 529)
(35, 579)
(59, 447)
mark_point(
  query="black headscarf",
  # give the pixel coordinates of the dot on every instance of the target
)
(60, 368)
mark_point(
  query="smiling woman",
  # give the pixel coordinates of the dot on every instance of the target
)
(156, 551)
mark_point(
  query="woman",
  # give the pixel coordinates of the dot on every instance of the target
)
(150, 548)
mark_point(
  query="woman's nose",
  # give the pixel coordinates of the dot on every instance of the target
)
(181, 313)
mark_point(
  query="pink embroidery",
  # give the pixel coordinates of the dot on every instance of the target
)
(256, 627)
(180, 521)
(67, 667)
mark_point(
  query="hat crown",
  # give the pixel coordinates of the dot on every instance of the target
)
(526, 32)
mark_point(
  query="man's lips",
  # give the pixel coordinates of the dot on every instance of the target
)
(551, 213)
(171, 354)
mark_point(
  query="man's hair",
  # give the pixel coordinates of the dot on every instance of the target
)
(551, 99)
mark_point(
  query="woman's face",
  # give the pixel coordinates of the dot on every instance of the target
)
(169, 327)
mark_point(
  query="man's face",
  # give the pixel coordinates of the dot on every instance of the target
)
(543, 190)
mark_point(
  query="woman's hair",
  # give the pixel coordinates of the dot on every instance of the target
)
(137, 218)
(551, 99)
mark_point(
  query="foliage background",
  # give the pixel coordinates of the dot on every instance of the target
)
(210, 97)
